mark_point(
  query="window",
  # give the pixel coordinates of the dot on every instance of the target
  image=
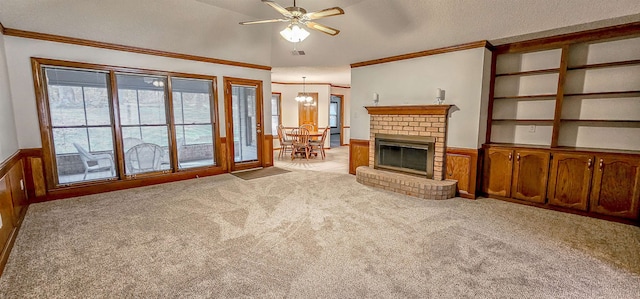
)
(194, 129)
(276, 110)
(333, 114)
(92, 134)
(81, 126)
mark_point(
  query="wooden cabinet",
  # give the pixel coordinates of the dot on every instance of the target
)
(570, 180)
(616, 187)
(530, 175)
(517, 173)
(498, 166)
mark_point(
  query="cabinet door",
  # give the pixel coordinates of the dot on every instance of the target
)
(570, 180)
(616, 186)
(498, 164)
(530, 175)
(458, 168)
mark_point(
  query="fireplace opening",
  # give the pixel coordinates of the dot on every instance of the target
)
(406, 154)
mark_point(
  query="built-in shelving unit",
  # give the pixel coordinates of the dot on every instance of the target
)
(578, 94)
(563, 130)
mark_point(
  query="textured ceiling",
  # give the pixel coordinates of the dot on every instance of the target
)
(370, 29)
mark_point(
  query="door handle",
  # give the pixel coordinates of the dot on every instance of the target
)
(258, 131)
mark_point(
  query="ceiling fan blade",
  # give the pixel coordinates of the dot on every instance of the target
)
(322, 28)
(279, 8)
(263, 21)
(329, 12)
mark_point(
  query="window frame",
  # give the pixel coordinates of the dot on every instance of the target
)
(38, 66)
(279, 94)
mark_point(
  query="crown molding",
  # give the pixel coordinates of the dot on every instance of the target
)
(123, 48)
(317, 83)
(462, 47)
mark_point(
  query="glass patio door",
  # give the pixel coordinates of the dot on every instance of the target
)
(243, 100)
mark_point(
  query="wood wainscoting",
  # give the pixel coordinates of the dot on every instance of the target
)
(358, 154)
(462, 164)
(267, 152)
(13, 203)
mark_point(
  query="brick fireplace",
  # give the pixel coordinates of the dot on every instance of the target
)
(409, 122)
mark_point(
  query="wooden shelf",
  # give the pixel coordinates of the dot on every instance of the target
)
(523, 120)
(531, 97)
(629, 93)
(530, 73)
(604, 65)
(605, 122)
(561, 148)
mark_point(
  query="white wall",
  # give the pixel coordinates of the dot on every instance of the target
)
(8, 135)
(20, 50)
(290, 106)
(461, 74)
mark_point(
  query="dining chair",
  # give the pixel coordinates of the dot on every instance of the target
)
(319, 144)
(285, 142)
(309, 127)
(94, 162)
(144, 157)
(300, 143)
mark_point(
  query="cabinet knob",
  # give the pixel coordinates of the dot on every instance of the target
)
(518, 157)
(510, 156)
(589, 163)
(601, 164)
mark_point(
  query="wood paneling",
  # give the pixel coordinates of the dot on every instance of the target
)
(462, 47)
(358, 154)
(6, 212)
(268, 150)
(498, 166)
(409, 109)
(6, 165)
(37, 176)
(17, 186)
(530, 175)
(462, 165)
(616, 187)
(570, 180)
(117, 47)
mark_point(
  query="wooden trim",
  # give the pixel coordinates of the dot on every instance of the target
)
(462, 47)
(2, 28)
(531, 97)
(558, 41)
(492, 90)
(564, 61)
(123, 48)
(341, 117)
(409, 109)
(6, 165)
(355, 161)
(317, 83)
(529, 73)
(228, 82)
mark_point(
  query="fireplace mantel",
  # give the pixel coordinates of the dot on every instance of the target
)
(409, 109)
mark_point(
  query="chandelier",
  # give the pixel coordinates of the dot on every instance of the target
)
(304, 97)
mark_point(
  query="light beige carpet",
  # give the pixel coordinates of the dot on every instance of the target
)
(306, 234)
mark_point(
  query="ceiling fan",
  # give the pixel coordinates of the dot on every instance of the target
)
(297, 16)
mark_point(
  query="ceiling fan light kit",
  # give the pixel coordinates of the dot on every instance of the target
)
(297, 16)
(294, 33)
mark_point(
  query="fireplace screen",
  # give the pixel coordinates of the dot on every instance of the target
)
(409, 154)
